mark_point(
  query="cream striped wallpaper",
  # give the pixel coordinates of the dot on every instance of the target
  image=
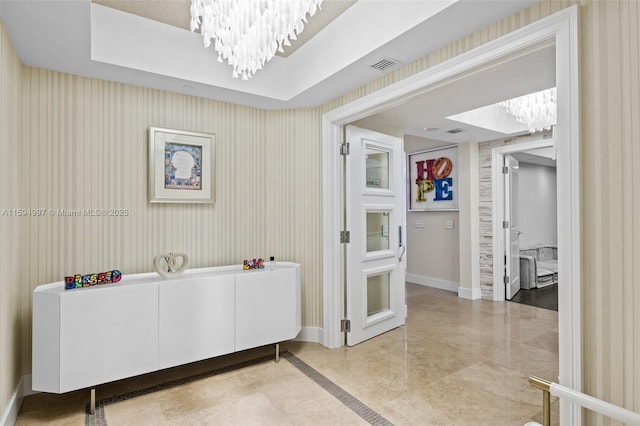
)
(84, 146)
(10, 320)
(610, 51)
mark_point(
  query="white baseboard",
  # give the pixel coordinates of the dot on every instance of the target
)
(310, 334)
(23, 389)
(469, 293)
(10, 415)
(26, 386)
(432, 282)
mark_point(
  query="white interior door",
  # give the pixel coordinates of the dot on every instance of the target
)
(512, 230)
(375, 218)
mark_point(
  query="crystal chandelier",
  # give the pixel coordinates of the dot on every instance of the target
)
(536, 110)
(247, 33)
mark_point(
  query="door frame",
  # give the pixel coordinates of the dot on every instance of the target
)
(510, 194)
(498, 207)
(561, 27)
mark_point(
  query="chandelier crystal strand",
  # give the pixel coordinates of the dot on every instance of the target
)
(537, 110)
(248, 33)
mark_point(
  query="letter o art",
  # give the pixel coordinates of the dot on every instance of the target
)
(442, 168)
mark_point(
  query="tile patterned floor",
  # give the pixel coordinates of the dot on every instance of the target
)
(456, 362)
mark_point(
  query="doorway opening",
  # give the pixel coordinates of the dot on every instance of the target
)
(561, 29)
(535, 218)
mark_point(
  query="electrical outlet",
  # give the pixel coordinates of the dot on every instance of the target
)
(448, 224)
(418, 223)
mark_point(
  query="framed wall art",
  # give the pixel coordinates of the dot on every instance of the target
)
(433, 179)
(181, 166)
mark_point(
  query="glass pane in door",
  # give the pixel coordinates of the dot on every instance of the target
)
(378, 293)
(377, 168)
(377, 231)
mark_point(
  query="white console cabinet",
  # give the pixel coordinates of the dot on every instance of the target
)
(85, 337)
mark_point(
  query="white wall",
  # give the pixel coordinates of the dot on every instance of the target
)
(469, 220)
(371, 124)
(433, 252)
(538, 205)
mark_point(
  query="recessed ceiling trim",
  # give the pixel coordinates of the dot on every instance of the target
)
(131, 41)
(491, 117)
(56, 35)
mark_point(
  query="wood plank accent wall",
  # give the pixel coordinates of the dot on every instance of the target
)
(10, 320)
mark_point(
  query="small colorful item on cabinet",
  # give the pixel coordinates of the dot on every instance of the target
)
(253, 264)
(80, 281)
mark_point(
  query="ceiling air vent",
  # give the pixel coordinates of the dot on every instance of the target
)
(385, 64)
(454, 131)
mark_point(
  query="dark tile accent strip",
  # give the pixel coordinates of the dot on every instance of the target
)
(99, 418)
(353, 403)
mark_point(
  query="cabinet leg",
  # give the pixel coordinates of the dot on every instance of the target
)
(92, 405)
(277, 352)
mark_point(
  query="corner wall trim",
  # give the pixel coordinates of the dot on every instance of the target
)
(310, 334)
(23, 389)
(469, 293)
(432, 282)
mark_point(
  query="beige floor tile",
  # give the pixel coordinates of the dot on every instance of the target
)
(263, 394)
(455, 362)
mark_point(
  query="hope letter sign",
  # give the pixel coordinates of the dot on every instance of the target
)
(433, 179)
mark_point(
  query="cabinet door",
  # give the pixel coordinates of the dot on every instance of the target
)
(267, 307)
(45, 366)
(196, 319)
(107, 334)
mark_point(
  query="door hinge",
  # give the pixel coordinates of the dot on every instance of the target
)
(506, 279)
(505, 224)
(505, 170)
(344, 148)
(345, 237)
(345, 325)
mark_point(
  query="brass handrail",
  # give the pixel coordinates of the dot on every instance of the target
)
(545, 387)
(586, 401)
